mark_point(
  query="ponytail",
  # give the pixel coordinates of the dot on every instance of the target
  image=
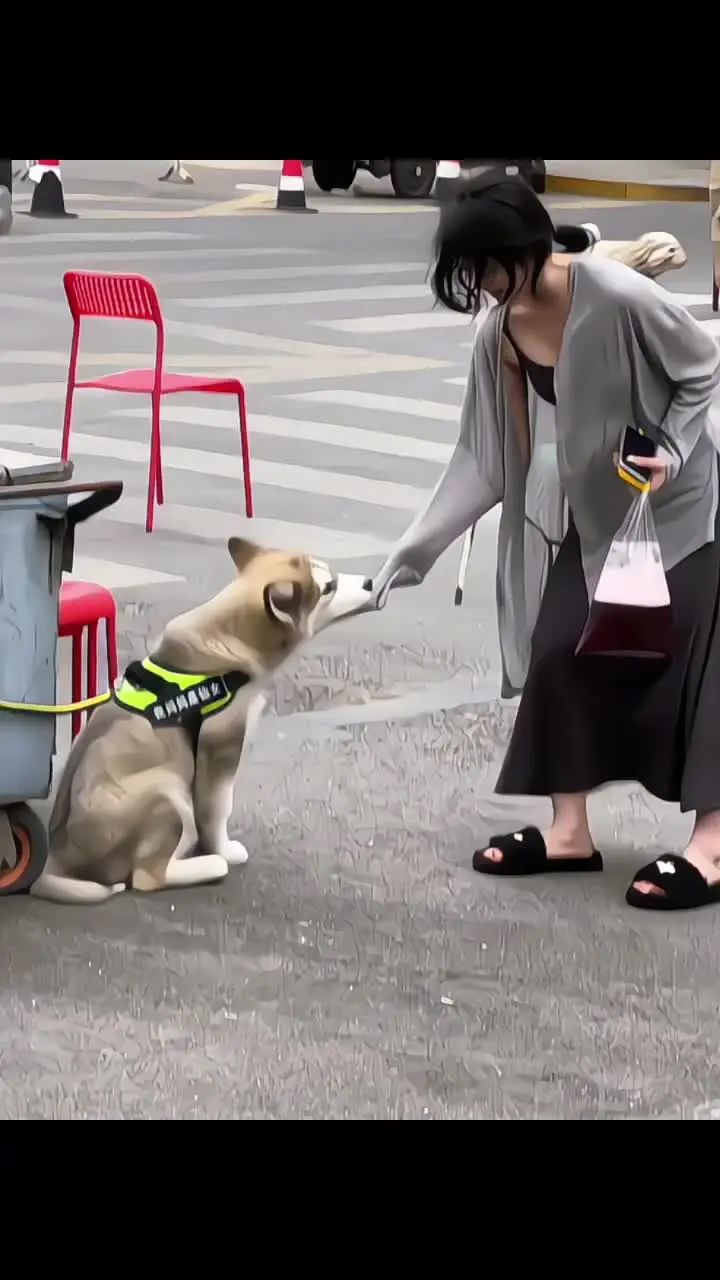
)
(576, 239)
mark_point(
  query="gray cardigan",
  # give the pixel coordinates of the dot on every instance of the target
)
(630, 355)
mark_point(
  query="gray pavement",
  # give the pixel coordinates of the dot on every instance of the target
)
(356, 969)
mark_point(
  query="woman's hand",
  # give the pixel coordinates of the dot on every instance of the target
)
(657, 468)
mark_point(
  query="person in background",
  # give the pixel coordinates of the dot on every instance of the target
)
(578, 348)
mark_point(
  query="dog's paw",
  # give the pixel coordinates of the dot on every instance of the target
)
(234, 853)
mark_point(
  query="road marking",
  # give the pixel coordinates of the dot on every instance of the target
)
(691, 299)
(239, 166)
(317, 271)
(33, 393)
(382, 404)
(12, 459)
(307, 298)
(117, 577)
(100, 237)
(231, 208)
(456, 382)
(325, 433)
(129, 215)
(409, 323)
(276, 475)
(259, 372)
(227, 254)
(208, 525)
(205, 525)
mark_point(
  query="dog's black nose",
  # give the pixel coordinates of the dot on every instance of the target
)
(368, 584)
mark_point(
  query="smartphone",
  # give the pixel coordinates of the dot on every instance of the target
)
(635, 444)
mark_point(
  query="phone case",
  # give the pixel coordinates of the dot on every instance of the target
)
(627, 472)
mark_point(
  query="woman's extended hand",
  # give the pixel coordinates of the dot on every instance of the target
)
(657, 468)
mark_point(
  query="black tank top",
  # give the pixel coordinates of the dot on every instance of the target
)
(540, 376)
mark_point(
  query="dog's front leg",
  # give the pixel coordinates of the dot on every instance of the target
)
(220, 749)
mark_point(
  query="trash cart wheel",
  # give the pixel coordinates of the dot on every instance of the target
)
(413, 179)
(334, 174)
(22, 866)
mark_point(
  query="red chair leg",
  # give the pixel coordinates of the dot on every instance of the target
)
(112, 650)
(245, 448)
(77, 681)
(159, 486)
(70, 394)
(156, 490)
(92, 663)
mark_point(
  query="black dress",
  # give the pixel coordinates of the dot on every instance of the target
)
(585, 722)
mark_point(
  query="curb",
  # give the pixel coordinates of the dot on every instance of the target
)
(610, 190)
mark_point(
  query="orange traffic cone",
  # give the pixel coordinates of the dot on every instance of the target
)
(48, 199)
(291, 189)
(449, 173)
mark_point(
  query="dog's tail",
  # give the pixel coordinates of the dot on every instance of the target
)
(74, 892)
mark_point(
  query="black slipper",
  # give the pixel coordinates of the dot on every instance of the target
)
(684, 887)
(525, 854)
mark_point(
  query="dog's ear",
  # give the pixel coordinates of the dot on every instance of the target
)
(283, 603)
(242, 552)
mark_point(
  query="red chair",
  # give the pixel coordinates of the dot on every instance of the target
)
(83, 606)
(114, 297)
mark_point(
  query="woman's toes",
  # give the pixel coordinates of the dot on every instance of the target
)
(642, 886)
(493, 855)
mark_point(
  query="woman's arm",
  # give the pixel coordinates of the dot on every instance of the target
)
(470, 487)
(690, 357)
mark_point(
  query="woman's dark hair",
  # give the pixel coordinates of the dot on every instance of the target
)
(495, 219)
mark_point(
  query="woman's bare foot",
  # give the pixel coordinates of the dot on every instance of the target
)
(560, 843)
(709, 868)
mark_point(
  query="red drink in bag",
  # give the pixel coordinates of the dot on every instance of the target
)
(631, 612)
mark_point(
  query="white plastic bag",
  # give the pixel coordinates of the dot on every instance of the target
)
(631, 612)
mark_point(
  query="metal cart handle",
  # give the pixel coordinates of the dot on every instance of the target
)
(102, 494)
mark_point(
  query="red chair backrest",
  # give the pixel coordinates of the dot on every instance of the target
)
(112, 297)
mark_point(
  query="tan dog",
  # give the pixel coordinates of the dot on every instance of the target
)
(652, 255)
(153, 773)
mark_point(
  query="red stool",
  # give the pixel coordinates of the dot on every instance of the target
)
(83, 606)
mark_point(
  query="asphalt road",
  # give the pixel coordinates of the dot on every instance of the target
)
(356, 969)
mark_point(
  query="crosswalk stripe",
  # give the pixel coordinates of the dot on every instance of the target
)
(456, 382)
(317, 272)
(115, 576)
(105, 237)
(411, 322)
(108, 257)
(277, 475)
(691, 299)
(308, 297)
(382, 404)
(205, 525)
(208, 525)
(326, 433)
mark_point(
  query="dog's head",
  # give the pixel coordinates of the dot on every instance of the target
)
(652, 255)
(278, 600)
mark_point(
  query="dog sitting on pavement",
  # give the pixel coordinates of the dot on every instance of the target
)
(152, 775)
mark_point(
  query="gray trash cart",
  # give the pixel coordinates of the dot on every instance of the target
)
(40, 509)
